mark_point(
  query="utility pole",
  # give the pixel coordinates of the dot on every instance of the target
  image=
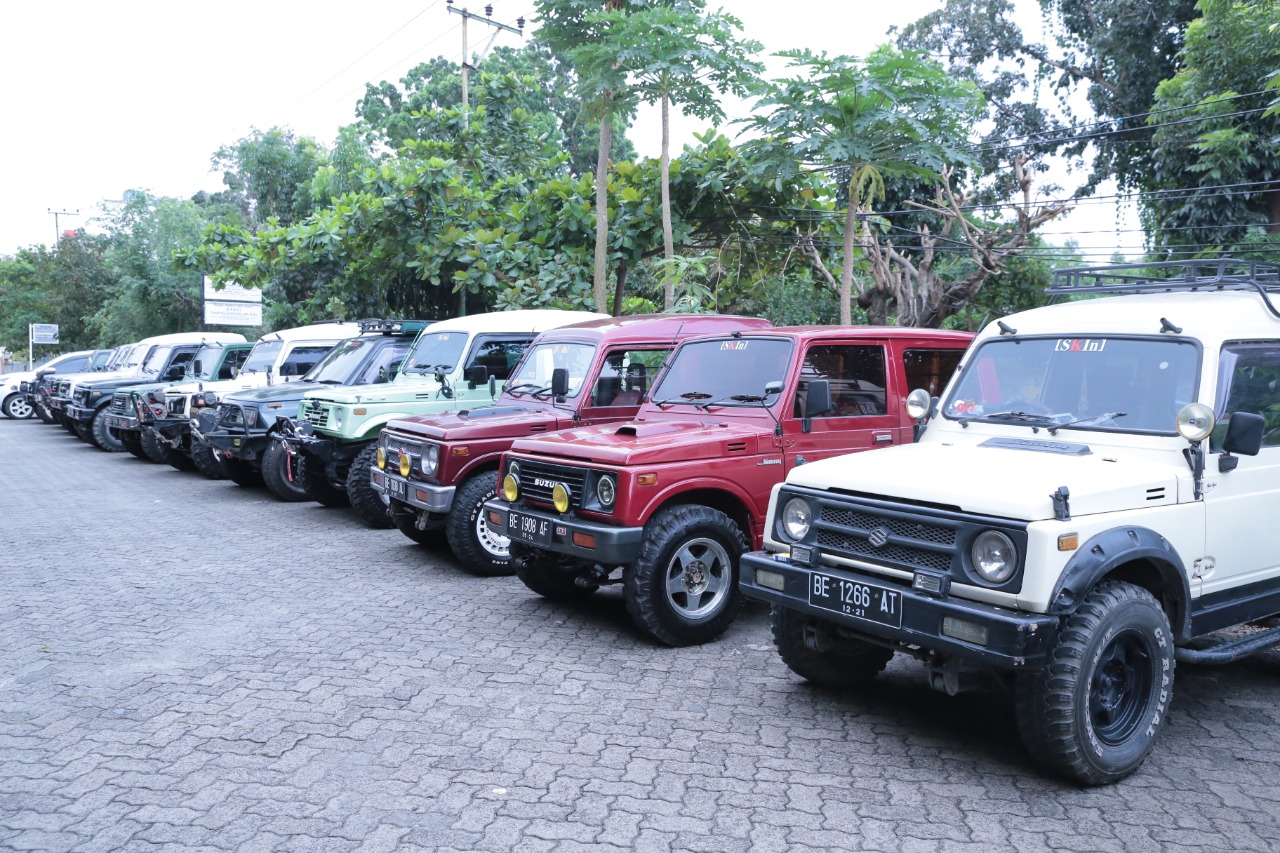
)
(58, 231)
(487, 18)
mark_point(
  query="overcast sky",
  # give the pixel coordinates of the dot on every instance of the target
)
(103, 97)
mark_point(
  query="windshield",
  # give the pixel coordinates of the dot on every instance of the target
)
(205, 362)
(136, 356)
(702, 371)
(157, 359)
(262, 356)
(341, 364)
(534, 373)
(1120, 384)
(437, 350)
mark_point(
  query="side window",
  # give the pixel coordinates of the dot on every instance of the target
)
(302, 359)
(74, 365)
(856, 374)
(625, 376)
(930, 369)
(498, 355)
(232, 363)
(1248, 381)
(387, 358)
(182, 358)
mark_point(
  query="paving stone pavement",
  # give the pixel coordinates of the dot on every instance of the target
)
(191, 665)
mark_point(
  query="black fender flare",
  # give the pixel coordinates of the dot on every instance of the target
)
(1102, 553)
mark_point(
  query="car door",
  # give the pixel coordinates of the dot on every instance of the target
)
(864, 407)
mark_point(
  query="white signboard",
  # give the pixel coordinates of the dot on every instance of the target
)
(232, 313)
(230, 292)
(44, 333)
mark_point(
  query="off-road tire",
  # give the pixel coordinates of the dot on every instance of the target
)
(405, 518)
(133, 444)
(366, 500)
(688, 553)
(83, 431)
(18, 407)
(152, 447)
(1093, 713)
(179, 460)
(548, 580)
(43, 413)
(275, 471)
(318, 488)
(479, 550)
(101, 436)
(814, 650)
(242, 473)
(206, 460)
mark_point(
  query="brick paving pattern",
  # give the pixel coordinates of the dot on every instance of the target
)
(190, 665)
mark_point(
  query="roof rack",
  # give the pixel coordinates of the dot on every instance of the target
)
(1167, 276)
(373, 325)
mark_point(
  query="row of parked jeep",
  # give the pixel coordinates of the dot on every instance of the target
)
(1060, 506)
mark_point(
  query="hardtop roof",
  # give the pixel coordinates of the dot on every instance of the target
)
(653, 327)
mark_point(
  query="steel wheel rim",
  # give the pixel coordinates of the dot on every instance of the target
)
(494, 545)
(1120, 687)
(698, 578)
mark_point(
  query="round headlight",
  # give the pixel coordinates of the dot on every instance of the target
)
(511, 487)
(994, 556)
(381, 458)
(210, 398)
(1195, 421)
(430, 459)
(606, 491)
(918, 404)
(337, 418)
(797, 517)
(560, 497)
(406, 464)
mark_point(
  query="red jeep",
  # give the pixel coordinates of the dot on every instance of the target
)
(674, 497)
(438, 470)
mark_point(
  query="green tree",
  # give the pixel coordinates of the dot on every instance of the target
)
(677, 53)
(1221, 140)
(896, 114)
(62, 284)
(270, 173)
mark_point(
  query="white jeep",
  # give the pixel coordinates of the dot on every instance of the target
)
(1094, 499)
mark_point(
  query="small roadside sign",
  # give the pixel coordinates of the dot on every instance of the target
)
(44, 333)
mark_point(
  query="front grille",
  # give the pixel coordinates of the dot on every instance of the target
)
(533, 472)
(394, 445)
(902, 555)
(81, 397)
(316, 414)
(229, 416)
(934, 533)
(121, 404)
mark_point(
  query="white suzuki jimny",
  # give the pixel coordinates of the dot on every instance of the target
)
(1095, 497)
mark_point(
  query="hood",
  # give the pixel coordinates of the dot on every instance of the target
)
(12, 380)
(272, 393)
(222, 387)
(95, 376)
(1005, 477)
(107, 382)
(650, 442)
(504, 421)
(401, 392)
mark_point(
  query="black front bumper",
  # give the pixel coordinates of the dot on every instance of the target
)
(1015, 640)
(614, 546)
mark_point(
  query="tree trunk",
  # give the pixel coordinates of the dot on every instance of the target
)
(668, 241)
(846, 268)
(619, 286)
(599, 284)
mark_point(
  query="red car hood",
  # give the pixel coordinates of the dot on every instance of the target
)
(502, 421)
(650, 442)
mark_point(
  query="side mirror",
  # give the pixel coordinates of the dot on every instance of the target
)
(1244, 436)
(174, 373)
(493, 387)
(773, 388)
(476, 375)
(234, 371)
(559, 382)
(288, 369)
(817, 400)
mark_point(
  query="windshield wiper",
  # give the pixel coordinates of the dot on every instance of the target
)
(736, 398)
(1031, 418)
(688, 395)
(537, 389)
(1105, 416)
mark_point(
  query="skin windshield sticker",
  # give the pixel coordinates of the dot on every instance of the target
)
(1080, 345)
(733, 345)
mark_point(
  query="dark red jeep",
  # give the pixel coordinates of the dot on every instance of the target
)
(674, 497)
(438, 470)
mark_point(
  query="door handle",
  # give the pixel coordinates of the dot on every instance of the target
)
(884, 438)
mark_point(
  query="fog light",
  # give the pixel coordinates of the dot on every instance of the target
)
(510, 488)
(969, 632)
(381, 458)
(771, 580)
(560, 497)
(406, 465)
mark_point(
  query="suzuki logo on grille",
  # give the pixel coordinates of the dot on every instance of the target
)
(879, 536)
(546, 484)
